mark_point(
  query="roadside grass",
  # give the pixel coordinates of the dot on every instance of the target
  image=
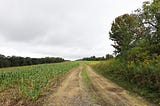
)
(28, 84)
(144, 81)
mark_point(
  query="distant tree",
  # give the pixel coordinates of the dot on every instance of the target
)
(92, 58)
(1, 60)
(28, 61)
(21, 61)
(108, 56)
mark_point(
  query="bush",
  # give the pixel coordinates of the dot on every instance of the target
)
(142, 78)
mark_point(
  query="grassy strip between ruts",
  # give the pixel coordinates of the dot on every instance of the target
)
(90, 88)
(88, 84)
(85, 77)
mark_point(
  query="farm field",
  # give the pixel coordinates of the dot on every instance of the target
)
(80, 53)
(28, 83)
(62, 84)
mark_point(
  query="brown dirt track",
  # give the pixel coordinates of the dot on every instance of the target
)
(72, 92)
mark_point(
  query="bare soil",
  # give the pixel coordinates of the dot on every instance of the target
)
(72, 92)
(112, 94)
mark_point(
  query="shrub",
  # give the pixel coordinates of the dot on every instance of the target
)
(142, 78)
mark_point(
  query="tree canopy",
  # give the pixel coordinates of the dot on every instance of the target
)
(138, 32)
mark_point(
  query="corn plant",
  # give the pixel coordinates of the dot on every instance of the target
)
(31, 80)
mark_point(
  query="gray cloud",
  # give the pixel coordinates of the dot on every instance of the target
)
(68, 28)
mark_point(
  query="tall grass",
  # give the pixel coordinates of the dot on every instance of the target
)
(139, 78)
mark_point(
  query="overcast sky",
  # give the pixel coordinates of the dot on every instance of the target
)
(70, 29)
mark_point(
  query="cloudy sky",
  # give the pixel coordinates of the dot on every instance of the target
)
(70, 29)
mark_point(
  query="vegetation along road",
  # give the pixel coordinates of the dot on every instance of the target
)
(62, 84)
(83, 87)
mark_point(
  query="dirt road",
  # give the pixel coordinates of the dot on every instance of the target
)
(72, 92)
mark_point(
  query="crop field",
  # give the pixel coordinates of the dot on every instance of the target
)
(29, 82)
(62, 84)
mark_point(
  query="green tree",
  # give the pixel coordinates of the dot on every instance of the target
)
(151, 19)
(108, 56)
(126, 30)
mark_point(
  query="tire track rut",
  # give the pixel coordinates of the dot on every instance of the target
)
(112, 94)
(72, 92)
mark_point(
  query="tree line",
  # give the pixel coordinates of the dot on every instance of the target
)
(94, 58)
(10, 61)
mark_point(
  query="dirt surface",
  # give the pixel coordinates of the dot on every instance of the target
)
(72, 92)
(112, 94)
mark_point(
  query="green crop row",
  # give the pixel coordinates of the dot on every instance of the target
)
(30, 81)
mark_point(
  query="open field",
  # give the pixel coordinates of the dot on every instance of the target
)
(62, 84)
(79, 53)
(28, 83)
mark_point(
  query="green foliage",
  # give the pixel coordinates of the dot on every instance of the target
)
(108, 56)
(142, 78)
(21, 61)
(94, 58)
(129, 30)
(137, 54)
(32, 80)
(150, 15)
(125, 32)
(86, 78)
(137, 42)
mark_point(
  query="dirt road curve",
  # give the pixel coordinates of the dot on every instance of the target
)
(72, 92)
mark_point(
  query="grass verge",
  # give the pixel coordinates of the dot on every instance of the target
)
(136, 79)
